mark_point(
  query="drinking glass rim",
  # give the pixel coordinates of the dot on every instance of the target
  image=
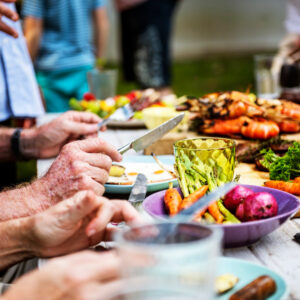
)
(216, 233)
(206, 138)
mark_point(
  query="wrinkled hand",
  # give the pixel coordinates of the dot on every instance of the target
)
(77, 223)
(81, 165)
(47, 140)
(85, 275)
(4, 11)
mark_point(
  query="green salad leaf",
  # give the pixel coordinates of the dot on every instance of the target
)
(283, 168)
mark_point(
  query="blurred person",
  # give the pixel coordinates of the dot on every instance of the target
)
(289, 49)
(19, 93)
(71, 225)
(85, 275)
(59, 36)
(146, 27)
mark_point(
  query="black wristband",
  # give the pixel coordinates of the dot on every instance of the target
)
(15, 143)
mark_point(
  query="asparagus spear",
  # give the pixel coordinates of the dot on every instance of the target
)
(229, 217)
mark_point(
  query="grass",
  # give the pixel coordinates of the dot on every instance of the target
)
(194, 78)
(207, 75)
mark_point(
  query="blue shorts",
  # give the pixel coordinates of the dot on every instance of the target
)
(59, 86)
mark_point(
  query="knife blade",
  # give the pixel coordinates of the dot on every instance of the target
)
(123, 113)
(153, 135)
(188, 213)
(139, 190)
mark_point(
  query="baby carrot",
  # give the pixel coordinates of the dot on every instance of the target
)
(172, 200)
(297, 179)
(190, 199)
(213, 209)
(290, 187)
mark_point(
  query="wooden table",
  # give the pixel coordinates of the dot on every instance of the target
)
(277, 250)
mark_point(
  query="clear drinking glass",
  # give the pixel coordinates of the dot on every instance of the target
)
(266, 77)
(183, 262)
(103, 83)
(202, 161)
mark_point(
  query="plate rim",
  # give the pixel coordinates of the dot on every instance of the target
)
(244, 261)
(123, 188)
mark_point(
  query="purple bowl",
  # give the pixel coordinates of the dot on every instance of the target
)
(237, 235)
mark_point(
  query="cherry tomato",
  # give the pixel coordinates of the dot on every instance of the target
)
(89, 96)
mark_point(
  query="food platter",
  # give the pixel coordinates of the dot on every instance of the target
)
(246, 272)
(147, 166)
(246, 233)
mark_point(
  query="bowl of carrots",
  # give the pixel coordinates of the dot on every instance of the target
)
(167, 203)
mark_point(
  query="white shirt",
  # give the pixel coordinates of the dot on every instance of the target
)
(292, 23)
(19, 93)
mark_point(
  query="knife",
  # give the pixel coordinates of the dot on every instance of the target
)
(123, 113)
(139, 190)
(153, 135)
(188, 213)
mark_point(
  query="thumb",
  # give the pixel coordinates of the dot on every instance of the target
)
(78, 128)
(78, 207)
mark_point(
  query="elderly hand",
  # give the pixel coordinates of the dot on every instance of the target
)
(76, 223)
(4, 11)
(85, 275)
(81, 165)
(47, 140)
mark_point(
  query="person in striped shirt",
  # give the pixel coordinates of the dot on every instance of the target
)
(59, 35)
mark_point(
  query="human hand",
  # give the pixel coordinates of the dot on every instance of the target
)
(4, 11)
(76, 223)
(86, 275)
(81, 165)
(47, 140)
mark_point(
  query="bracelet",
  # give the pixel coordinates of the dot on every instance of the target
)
(15, 143)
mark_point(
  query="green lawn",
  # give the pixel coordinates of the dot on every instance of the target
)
(194, 78)
(206, 75)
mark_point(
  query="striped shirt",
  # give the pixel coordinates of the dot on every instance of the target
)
(67, 32)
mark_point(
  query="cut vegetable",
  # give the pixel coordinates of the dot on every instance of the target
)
(225, 282)
(116, 171)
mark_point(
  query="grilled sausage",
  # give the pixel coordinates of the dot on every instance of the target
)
(259, 289)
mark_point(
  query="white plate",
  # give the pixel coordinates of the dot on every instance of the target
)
(142, 162)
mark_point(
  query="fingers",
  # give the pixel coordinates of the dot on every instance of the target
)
(7, 29)
(113, 211)
(125, 212)
(82, 117)
(98, 174)
(78, 207)
(80, 128)
(101, 220)
(5, 11)
(98, 160)
(97, 145)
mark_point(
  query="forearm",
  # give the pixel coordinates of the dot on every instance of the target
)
(33, 33)
(101, 31)
(5, 144)
(14, 242)
(24, 201)
(28, 146)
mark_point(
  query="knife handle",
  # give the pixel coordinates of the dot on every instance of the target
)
(124, 149)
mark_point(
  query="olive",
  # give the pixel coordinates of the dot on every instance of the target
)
(297, 237)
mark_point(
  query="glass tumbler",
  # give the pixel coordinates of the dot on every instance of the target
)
(159, 264)
(204, 161)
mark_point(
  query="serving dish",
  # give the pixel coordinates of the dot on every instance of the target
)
(243, 234)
